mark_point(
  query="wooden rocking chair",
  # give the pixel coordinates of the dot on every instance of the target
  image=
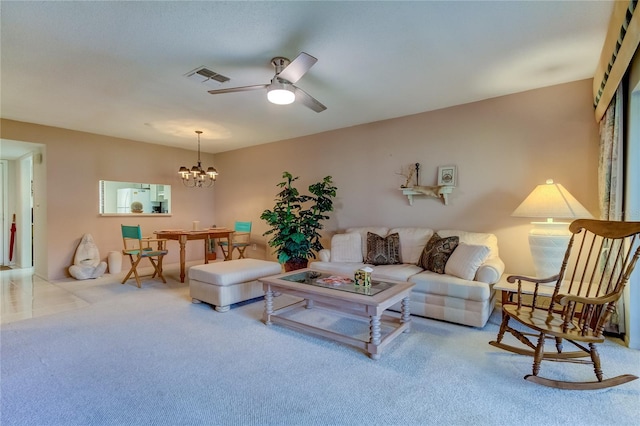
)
(598, 262)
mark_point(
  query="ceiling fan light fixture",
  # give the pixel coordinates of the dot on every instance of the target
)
(280, 93)
(281, 89)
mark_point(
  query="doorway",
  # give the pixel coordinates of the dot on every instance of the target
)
(16, 200)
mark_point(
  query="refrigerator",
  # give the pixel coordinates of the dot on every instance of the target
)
(126, 196)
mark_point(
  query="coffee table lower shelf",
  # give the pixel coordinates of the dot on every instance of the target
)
(373, 345)
(382, 328)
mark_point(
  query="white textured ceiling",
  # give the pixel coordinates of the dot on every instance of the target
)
(117, 68)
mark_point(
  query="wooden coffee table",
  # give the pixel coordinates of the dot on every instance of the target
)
(345, 300)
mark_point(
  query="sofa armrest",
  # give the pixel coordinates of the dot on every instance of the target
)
(490, 271)
(324, 255)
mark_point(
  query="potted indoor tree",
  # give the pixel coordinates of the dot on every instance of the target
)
(296, 219)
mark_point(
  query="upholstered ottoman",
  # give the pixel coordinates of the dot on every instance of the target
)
(222, 284)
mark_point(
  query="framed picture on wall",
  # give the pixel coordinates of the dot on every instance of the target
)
(447, 175)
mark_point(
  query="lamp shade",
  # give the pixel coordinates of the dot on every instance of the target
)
(548, 240)
(551, 200)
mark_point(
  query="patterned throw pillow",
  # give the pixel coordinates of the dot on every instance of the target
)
(383, 250)
(436, 253)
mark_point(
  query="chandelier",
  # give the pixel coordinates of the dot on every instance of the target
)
(197, 177)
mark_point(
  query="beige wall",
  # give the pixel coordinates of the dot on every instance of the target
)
(502, 147)
(66, 192)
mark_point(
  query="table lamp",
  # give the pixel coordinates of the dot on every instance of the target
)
(548, 240)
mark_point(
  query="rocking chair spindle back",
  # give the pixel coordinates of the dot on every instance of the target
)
(598, 262)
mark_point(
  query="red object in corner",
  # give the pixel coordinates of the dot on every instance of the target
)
(13, 237)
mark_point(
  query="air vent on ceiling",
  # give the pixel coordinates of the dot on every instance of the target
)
(206, 76)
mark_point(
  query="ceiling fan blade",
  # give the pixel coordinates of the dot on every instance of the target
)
(297, 68)
(308, 100)
(238, 89)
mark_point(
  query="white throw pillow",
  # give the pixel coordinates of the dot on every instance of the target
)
(465, 261)
(412, 242)
(346, 247)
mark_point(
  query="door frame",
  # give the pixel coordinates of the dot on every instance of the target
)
(4, 212)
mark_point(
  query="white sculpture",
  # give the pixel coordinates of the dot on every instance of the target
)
(431, 191)
(86, 262)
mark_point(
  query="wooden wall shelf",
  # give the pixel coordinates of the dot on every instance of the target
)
(443, 192)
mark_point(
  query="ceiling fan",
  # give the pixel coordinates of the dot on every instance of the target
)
(281, 90)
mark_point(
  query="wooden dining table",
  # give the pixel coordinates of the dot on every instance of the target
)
(183, 236)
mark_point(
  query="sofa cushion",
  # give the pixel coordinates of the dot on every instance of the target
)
(346, 247)
(363, 230)
(465, 260)
(436, 253)
(401, 272)
(412, 242)
(383, 250)
(476, 238)
(345, 269)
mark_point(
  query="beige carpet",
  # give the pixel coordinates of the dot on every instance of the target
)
(150, 357)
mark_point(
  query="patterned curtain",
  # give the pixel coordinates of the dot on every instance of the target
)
(611, 178)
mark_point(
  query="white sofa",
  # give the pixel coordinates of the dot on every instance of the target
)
(463, 294)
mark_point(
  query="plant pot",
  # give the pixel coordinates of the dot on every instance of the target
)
(295, 264)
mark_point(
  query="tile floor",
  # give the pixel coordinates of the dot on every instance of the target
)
(24, 295)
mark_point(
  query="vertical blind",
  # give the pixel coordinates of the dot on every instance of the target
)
(621, 43)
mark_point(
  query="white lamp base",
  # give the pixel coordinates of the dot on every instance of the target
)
(548, 243)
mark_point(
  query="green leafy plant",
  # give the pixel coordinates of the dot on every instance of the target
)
(296, 219)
